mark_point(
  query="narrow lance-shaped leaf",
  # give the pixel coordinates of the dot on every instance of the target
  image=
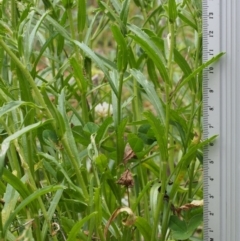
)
(125, 11)
(10, 106)
(160, 133)
(111, 13)
(151, 93)
(150, 48)
(172, 11)
(117, 5)
(28, 200)
(82, 14)
(122, 57)
(144, 227)
(97, 61)
(6, 143)
(198, 70)
(75, 230)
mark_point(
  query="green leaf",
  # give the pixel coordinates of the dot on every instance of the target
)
(80, 135)
(16, 183)
(160, 133)
(178, 227)
(120, 140)
(151, 93)
(91, 128)
(172, 11)
(144, 132)
(122, 57)
(187, 21)
(182, 63)
(97, 61)
(135, 142)
(50, 137)
(152, 166)
(144, 227)
(152, 73)
(143, 192)
(10, 106)
(154, 197)
(56, 163)
(117, 5)
(198, 70)
(103, 129)
(125, 11)
(29, 40)
(81, 15)
(111, 14)
(51, 210)
(182, 230)
(150, 48)
(101, 163)
(61, 30)
(78, 74)
(6, 143)
(28, 200)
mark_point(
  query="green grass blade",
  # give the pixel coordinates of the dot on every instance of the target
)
(97, 61)
(28, 200)
(75, 230)
(197, 71)
(6, 143)
(144, 227)
(150, 48)
(151, 93)
(81, 15)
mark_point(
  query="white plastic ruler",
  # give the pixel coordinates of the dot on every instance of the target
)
(221, 116)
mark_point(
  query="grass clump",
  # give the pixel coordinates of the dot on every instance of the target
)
(101, 108)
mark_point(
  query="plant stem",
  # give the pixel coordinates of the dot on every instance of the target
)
(27, 76)
(80, 82)
(165, 163)
(119, 99)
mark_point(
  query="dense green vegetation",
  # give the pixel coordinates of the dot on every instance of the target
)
(101, 120)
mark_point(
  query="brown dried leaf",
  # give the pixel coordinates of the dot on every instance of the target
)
(130, 220)
(187, 206)
(128, 154)
(126, 179)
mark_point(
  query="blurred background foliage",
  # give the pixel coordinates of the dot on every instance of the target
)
(100, 120)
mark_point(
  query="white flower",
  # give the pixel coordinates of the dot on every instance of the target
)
(104, 109)
(197, 203)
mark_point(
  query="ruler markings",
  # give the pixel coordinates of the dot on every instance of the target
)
(211, 125)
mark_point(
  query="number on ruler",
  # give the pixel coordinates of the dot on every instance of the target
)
(211, 15)
(211, 70)
(211, 52)
(210, 33)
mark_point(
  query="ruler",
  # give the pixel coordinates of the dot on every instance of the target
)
(221, 116)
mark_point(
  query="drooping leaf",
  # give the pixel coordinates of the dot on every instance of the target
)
(150, 48)
(10, 106)
(197, 71)
(151, 93)
(97, 61)
(6, 143)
